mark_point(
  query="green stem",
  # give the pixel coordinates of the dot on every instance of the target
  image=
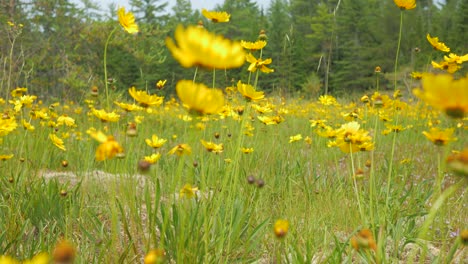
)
(398, 50)
(105, 67)
(354, 181)
(214, 78)
(390, 166)
(195, 74)
(257, 72)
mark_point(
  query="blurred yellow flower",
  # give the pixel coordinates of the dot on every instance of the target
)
(199, 98)
(188, 191)
(108, 148)
(144, 98)
(216, 17)
(58, 142)
(440, 137)
(436, 44)
(181, 149)
(416, 75)
(281, 228)
(127, 21)
(27, 125)
(247, 150)
(212, 147)
(363, 240)
(458, 162)
(252, 46)
(198, 47)
(65, 120)
(160, 84)
(295, 138)
(4, 157)
(270, 120)
(258, 64)
(405, 4)
(155, 142)
(249, 92)
(8, 260)
(444, 93)
(19, 91)
(129, 107)
(105, 116)
(327, 100)
(153, 158)
(64, 252)
(155, 256)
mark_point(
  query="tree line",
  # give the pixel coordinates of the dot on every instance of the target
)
(56, 48)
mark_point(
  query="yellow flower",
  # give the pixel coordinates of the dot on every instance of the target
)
(446, 66)
(273, 120)
(41, 258)
(144, 98)
(247, 150)
(295, 138)
(440, 137)
(24, 100)
(127, 21)
(19, 91)
(416, 75)
(27, 125)
(405, 4)
(308, 140)
(454, 58)
(363, 240)
(249, 92)
(160, 84)
(327, 100)
(216, 17)
(212, 147)
(58, 142)
(108, 148)
(105, 116)
(181, 149)
(155, 256)
(252, 46)
(155, 141)
(199, 98)
(458, 162)
(153, 158)
(4, 157)
(64, 252)
(258, 64)
(436, 44)
(65, 120)
(198, 47)
(281, 228)
(8, 260)
(188, 191)
(129, 107)
(445, 93)
(350, 138)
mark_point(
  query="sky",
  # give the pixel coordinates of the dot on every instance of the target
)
(196, 4)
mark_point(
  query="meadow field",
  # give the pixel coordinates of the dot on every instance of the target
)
(210, 174)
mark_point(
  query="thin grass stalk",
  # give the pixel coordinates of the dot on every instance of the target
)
(105, 66)
(398, 50)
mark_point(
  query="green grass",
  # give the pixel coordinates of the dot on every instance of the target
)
(114, 213)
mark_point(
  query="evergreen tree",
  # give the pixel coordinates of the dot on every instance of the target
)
(149, 11)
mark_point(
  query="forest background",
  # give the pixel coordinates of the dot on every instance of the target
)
(55, 48)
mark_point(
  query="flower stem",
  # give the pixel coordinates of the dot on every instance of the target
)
(195, 74)
(354, 181)
(398, 50)
(214, 78)
(105, 67)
